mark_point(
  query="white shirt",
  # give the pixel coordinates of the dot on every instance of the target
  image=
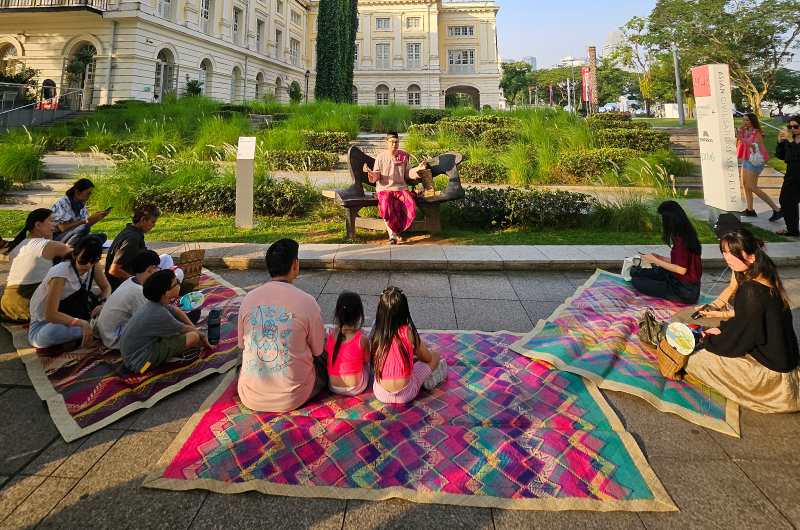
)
(118, 310)
(71, 285)
(27, 264)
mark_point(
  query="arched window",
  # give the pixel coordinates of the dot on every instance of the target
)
(234, 84)
(166, 77)
(205, 77)
(8, 60)
(355, 96)
(278, 90)
(415, 96)
(259, 83)
(382, 95)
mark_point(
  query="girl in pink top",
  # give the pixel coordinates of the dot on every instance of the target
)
(348, 348)
(749, 139)
(395, 346)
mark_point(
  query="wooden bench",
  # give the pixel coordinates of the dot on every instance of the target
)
(354, 198)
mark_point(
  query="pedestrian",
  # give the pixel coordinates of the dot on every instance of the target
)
(749, 141)
(788, 150)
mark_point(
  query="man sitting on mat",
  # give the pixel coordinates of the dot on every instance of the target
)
(282, 338)
(390, 176)
(129, 243)
(159, 332)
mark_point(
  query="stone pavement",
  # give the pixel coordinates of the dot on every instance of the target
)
(717, 481)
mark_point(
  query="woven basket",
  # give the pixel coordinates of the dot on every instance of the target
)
(192, 266)
(670, 361)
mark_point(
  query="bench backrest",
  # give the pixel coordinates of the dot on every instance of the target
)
(444, 164)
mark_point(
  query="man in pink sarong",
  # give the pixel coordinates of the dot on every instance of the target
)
(390, 175)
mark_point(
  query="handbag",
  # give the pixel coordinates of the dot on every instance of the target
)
(80, 303)
(756, 158)
(670, 361)
(651, 331)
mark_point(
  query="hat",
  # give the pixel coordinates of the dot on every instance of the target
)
(727, 222)
(167, 263)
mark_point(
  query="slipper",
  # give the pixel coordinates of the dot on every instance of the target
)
(392, 242)
(784, 233)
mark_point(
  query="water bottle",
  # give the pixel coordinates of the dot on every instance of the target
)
(214, 317)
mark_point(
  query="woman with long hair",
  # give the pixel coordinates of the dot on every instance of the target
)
(64, 303)
(788, 150)
(675, 278)
(72, 219)
(753, 357)
(31, 255)
(749, 140)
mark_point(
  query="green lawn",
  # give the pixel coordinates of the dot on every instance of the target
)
(770, 134)
(327, 226)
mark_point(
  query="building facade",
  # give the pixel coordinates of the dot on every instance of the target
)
(531, 61)
(413, 52)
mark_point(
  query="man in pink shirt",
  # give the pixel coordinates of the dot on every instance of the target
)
(390, 175)
(282, 338)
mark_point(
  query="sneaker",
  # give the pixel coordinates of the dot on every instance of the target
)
(187, 356)
(749, 213)
(776, 216)
(437, 376)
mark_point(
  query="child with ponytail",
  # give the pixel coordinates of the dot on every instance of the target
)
(347, 348)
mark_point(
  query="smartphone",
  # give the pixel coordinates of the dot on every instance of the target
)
(697, 314)
(108, 209)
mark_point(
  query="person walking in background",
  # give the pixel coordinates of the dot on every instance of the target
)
(31, 257)
(129, 243)
(749, 141)
(788, 150)
(71, 217)
(675, 278)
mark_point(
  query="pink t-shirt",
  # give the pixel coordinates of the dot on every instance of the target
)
(744, 151)
(280, 332)
(393, 170)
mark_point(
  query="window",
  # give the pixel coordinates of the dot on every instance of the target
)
(383, 24)
(278, 44)
(8, 60)
(461, 31)
(294, 52)
(382, 95)
(355, 96)
(382, 59)
(296, 20)
(279, 7)
(414, 56)
(237, 16)
(164, 9)
(259, 36)
(205, 15)
(259, 83)
(355, 57)
(461, 62)
(415, 96)
(413, 23)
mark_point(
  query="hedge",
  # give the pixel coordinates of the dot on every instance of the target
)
(66, 143)
(427, 130)
(481, 171)
(497, 137)
(300, 160)
(270, 198)
(429, 116)
(591, 162)
(5, 185)
(647, 141)
(242, 109)
(476, 125)
(619, 121)
(505, 207)
(330, 142)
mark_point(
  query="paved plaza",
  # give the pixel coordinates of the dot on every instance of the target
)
(95, 482)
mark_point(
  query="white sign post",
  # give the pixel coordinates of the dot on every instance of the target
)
(717, 134)
(245, 166)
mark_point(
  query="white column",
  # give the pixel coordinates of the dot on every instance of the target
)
(493, 43)
(270, 45)
(435, 28)
(366, 52)
(398, 41)
(483, 39)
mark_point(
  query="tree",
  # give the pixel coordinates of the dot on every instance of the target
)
(457, 100)
(756, 38)
(638, 51)
(613, 82)
(336, 33)
(515, 81)
(786, 90)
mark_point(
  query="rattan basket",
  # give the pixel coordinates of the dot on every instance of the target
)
(670, 361)
(192, 266)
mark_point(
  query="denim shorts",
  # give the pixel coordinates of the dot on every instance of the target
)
(750, 167)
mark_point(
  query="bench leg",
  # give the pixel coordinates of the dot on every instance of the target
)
(432, 222)
(350, 215)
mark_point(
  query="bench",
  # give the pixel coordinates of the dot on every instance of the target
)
(354, 198)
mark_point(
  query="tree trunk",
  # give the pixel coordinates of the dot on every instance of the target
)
(646, 107)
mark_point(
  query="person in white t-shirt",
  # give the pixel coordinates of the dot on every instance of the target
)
(127, 299)
(31, 257)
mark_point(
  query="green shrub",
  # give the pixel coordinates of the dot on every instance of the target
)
(626, 211)
(609, 117)
(330, 142)
(5, 185)
(364, 122)
(505, 207)
(228, 107)
(21, 160)
(474, 126)
(429, 116)
(614, 121)
(66, 143)
(427, 130)
(482, 171)
(646, 141)
(300, 161)
(227, 114)
(497, 137)
(126, 148)
(590, 163)
(270, 197)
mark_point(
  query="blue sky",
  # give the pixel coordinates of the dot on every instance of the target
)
(552, 30)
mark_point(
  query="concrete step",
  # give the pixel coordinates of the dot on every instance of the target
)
(45, 185)
(42, 198)
(686, 152)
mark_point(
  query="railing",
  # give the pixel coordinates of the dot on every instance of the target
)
(33, 4)
(43, 111)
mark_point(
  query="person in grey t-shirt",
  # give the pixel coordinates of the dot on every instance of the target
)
(158, 331)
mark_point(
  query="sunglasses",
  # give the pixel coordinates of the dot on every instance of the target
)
(794, 126)
(88, 261)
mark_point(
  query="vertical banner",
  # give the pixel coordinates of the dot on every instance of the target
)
(593, 78)
(717, 134)
(530, 95)
(586, 80)
(551, 95)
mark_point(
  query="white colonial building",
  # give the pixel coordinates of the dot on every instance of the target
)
(409, 51)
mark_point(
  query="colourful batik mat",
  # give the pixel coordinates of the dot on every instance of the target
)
(501, 431)
(594, 334)
(88, 389)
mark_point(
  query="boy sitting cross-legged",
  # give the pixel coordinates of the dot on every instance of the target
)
(159, 332)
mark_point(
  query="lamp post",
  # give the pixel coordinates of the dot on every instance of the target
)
(394, 95)
(308, 76)
(678, 92)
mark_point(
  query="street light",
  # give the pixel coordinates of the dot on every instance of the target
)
(308, 76)
(678, 92)
(394, 95)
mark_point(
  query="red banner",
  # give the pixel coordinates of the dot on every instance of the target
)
(551, 95)
(587, 83)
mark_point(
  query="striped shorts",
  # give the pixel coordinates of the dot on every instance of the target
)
(418, 376)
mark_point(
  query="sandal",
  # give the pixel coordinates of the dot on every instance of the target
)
(785, 233)
(392, 241)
